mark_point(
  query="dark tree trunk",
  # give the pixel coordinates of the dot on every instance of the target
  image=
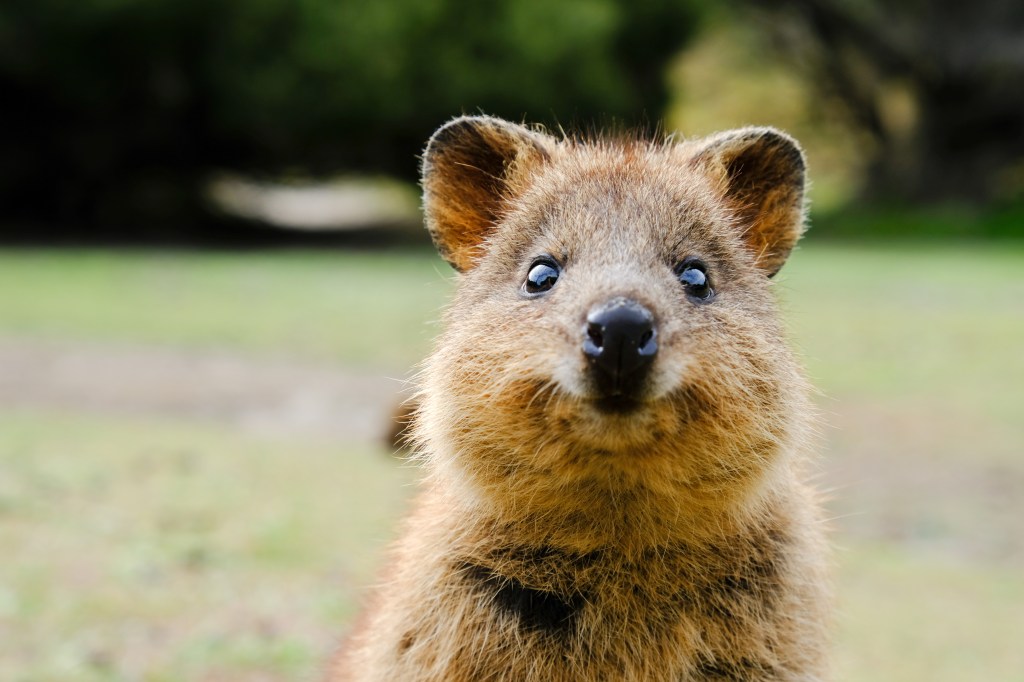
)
(961, 67)
(962, 143)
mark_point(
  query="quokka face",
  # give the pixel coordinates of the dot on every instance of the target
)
(614, 328)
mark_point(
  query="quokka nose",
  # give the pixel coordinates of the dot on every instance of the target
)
(620, 342)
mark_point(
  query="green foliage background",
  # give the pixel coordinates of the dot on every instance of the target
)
(120, 109)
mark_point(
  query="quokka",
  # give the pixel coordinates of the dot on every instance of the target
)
(613, 429)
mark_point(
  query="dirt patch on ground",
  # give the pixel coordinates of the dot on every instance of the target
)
(264, 395)
(926, 477)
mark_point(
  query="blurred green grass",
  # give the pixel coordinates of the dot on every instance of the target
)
(912, 616)
(911, 322)
(367, 308)
(162, 549)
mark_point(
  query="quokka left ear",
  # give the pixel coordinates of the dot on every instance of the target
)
(761, 172)
(471, 167)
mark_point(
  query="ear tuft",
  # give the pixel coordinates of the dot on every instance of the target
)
(762, 175)
(472, 165)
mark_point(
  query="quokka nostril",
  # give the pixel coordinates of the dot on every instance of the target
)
(596, 333)
(646, 338)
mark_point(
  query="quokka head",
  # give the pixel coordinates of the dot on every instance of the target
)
(614, 317)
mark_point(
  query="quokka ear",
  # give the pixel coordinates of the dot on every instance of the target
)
(761, 174)
(471, 167)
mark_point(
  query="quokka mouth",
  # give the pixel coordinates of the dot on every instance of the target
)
(617, 404)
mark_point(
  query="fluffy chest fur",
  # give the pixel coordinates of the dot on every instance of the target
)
(495, 609)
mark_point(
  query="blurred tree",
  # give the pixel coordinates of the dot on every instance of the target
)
(116, 111)
(938, 85)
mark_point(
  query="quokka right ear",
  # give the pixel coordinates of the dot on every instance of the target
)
(761, 172)
(471, 166)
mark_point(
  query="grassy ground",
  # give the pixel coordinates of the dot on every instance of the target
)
(166, 548)
(361, 308)
(161, 550)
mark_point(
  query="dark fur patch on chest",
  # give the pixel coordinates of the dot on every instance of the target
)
(535, 610)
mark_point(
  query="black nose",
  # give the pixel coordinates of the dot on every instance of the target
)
(620, 342)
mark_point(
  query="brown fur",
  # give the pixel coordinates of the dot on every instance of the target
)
(553, 541)
(399, 435)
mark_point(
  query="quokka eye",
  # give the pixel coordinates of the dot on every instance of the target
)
(694, 276)
(542, 276)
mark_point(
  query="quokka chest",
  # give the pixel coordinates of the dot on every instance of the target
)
(692, 600)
